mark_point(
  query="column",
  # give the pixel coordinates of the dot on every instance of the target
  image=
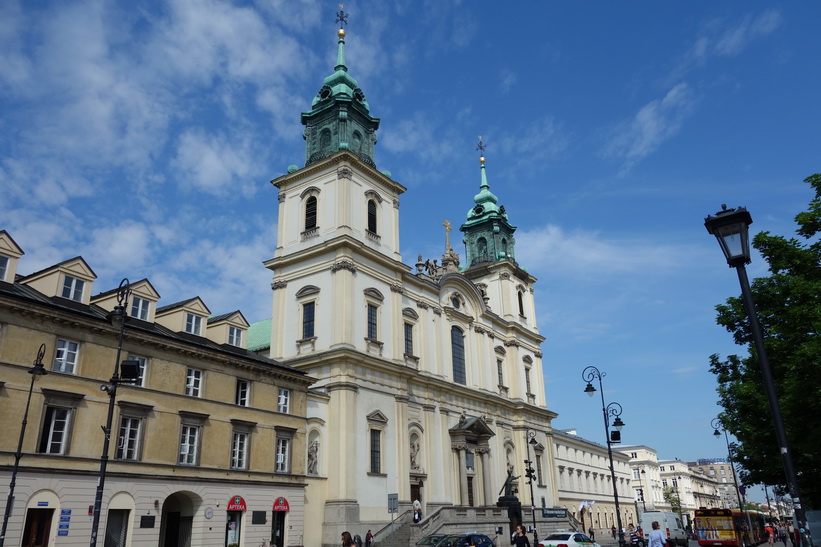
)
(463, 476)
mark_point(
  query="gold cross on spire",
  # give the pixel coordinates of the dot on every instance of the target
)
(448, 228)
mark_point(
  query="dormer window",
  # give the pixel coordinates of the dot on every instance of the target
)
(193, 324)
(4, 265)
(139, 308)
(73, 288)
(235, 336)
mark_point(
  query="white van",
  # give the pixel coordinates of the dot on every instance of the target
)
(669, 523)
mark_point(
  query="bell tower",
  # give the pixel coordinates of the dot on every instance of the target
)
(339, 118)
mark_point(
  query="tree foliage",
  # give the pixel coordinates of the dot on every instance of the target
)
(788, 302)
(671, 497)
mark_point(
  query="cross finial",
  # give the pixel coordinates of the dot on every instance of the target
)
(341, 16)
(448, 228)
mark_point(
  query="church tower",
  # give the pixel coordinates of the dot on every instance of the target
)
(421, 387)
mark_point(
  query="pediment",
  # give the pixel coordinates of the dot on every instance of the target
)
(378, 417)
(472, 426)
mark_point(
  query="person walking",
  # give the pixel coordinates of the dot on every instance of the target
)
(656, 537)
(347, 540)
(592, 533)
(368, 539)
(520, 537)
(613, 531)
(634, 535)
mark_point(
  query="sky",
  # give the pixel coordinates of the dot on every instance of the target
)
(142, 135)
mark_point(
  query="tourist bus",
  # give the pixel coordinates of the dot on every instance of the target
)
(724, 527)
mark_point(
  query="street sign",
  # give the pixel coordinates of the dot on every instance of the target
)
(554, 513)
(393, 503)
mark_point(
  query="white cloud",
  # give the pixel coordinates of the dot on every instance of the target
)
(654, 123)
(214, 163)
(507, 79)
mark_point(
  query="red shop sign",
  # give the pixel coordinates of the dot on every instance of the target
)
(281, 504)
(236, 503)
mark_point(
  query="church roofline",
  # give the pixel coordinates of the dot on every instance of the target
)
(341, 157)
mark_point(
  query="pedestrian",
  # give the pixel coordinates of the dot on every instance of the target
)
(656, 537)
(347, 540)
(782, 533)
(634, 535)
(769, 532)
(357, 540)
(520, 537)
(368, 539)
(613, 531)
(592, 533)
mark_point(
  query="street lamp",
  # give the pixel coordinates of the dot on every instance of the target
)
(716, 424)
(731, 228)
(36, 371)
(641, 490)
(613, 409)
(530, 473)
(678, 494)
(130, 373)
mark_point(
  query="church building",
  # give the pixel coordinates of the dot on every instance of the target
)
(429, 376)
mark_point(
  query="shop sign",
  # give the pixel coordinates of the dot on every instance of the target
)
(236, 503)
(281, 504)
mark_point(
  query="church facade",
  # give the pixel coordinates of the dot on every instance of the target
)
(429, 377)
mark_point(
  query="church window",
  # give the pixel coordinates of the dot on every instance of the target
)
(408, 339)
(372, 216)
(376, 451)
(527, 380)
(521, 304)
(310, 213)
(500, 372)
(308, 310)
(504, 249)
(372, 322)
(325, 139)
(538, 459)
(357, 141)
(481, 248)
(457, 344)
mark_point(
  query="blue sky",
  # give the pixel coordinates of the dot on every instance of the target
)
(142, 136)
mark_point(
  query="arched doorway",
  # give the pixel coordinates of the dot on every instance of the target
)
(178, 518)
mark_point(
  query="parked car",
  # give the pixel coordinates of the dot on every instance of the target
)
(430, 540)
(567, 539)
(465, 540)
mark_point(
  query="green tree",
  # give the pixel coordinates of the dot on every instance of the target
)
(671, 497)
(788, 301)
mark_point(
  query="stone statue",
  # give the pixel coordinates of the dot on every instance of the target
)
(313, 453)
(414, 452)
(507, 488)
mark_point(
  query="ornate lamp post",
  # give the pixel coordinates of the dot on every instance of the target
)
(530, 473)
(130, 373)
(678, 495)
(613, 409)
(641, 490)
(36, 371)
(731, 228)
(715, 424)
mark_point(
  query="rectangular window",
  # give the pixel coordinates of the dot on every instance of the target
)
(664, 483)
(235, 336)
(193, 324)
(128, 443)
(408, 339)
(243, 390)
(675, 483)
(661, 468)
(457, 346)
(189, 445)
(672, 468)
(193, 382)
(308, 320)
(636, 474)
(143, 369)
(55, 432)
(283, 456)
(283, 403)
(376, 451)
(500, 372)
(4, 264)
(65, 358)
(239, 451)
(73, 288)
(634, 455)
(539, 469)
(372, 322)
(527, 380)
(139, 308)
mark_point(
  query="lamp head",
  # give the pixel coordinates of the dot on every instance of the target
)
(38, 369)
(117, 316)
(617, 423)
(716, 434)
(590, 390)
(731, 227)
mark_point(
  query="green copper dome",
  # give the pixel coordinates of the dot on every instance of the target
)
(339, 118)
(488, 234)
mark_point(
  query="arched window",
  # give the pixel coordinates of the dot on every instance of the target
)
(504, 248)
(481, 247)
(372, 216)
(521, 304)
(310, 213)
(457, 345)
(325, 139)
(357, 141)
